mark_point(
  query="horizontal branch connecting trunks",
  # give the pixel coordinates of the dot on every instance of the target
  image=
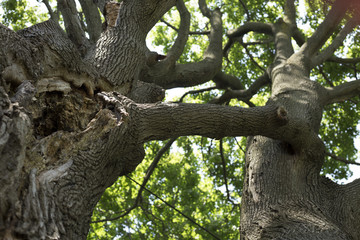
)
(167, 120)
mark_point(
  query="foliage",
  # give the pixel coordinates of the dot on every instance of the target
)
(191, 176)
(21, 14)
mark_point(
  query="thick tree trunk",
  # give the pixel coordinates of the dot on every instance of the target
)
(60, 146)
(53, 180)
(284, 195)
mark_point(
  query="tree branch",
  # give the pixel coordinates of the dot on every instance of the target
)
(214, 51)
(192, 74)
(341, 159)
(223, 161)
(336, 43)
(225, 81)
(243, 95)
(54, 16)
(342, 92)
(343, 60)
(190, 32)
(290, 12)
(147, 176)
(246, 10)
(251, 56)
(183, 33)
(101, 5)
(72, 24)
(171, 120)
(266, 41)
(167, 120)
(195, 92)
(298, 36)
(183, 75)
(177, 210)
(239, 146)
(258, 27)
(155, 162)
(326, 28)
(93, 20)
(325, 77)
(283, 45)
(204, 8)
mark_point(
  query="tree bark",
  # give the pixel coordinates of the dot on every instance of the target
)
(68, 148)
(284, 196)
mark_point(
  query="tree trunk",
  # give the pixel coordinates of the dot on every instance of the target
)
(60, 145)
(284, 195)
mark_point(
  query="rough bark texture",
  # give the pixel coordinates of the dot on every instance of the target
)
(284, 196)
(120, 52)
(64, 137)
(69, 146)
(296, 203)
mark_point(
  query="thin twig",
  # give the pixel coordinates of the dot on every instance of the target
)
(202, 149)
(240, 147)
(243, 95)
(225, 172)
(266, 41)
(149, 171)
(252, 58)
(250, 55)
(176, 29)
(246, 10)
(333, 156)
(325, 77)
(178, 211)
(210, 147)
(163, 225)
(153, 165)
(195, 92)
(355, 72)
(127, 211)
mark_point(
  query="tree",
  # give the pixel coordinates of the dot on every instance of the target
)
(77, 107)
